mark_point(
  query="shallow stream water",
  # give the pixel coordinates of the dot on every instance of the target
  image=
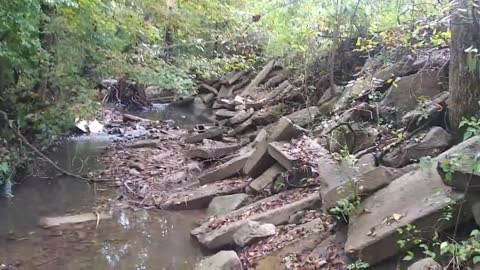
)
(129, 240)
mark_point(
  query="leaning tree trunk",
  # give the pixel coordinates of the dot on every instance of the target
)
(464, 82)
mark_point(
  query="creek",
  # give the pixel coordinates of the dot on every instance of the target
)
(131, 239)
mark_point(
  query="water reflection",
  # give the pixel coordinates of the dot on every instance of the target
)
(130, 240)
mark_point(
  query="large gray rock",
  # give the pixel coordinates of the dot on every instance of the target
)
(225, 170)
(223, 260)
(425, 264)
(285, 130)
(266, 178)
(225, 204)
(212, 149)
(305, 116)
(403, 95)
(364, 185)
(224, 113)
(435, 141)
(462, 158)
(251, 231)
(241, 116)
(418, 198)
(215, 133)
(260, 160)
(199, 197)
(218, 233)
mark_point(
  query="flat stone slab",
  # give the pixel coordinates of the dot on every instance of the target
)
(209, 134)
(266, 178)
(305, 116)
(251, 231)
(276, 210)
(225, 204)
(223, 260)
(48, 222)
(212, 149)
(224, 113)
(225, 170)
(241, 117)
(417, 198)
(200, 197)
(260, 160)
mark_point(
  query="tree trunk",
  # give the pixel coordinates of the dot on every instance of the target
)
(464, 83)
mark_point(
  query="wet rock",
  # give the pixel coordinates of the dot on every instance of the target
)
(418, 198)
(214, 237)
(212, 149)
(305, 116)
(223, 260)
(251, 231)
(403, 96)
(435, 141)
(47, 222)
(209, 134)
(225, 170)
(225, 204)
(224, 114)
(241, 116)
(200, 197)
(266, 178)
(425, 264)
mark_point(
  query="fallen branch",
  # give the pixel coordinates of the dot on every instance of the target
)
(39, 153)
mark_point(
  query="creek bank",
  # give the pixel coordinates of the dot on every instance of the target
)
(296, 165)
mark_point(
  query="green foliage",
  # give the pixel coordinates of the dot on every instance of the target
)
(345, 208)
(358, 265)
(470, 127)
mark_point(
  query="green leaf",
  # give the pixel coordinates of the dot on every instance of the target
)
(476, 259)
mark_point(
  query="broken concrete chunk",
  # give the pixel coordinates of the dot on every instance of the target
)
(226, 204)
(200, 197)
(217, 237)
(364, 185)
(209, 134)
(223, 260)
(279, 151)
(285, 130)
(418, 198)
(225, 170)
(251, 231)
(48, 222)
(259, 161)
(461, 157)
(305, 116)
(224, 113)
(241, 128)
(241, 116)
(258, 79)
(435, 141)
(266, 178)
(212, 150)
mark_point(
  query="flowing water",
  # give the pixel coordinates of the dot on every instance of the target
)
(129, 240)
